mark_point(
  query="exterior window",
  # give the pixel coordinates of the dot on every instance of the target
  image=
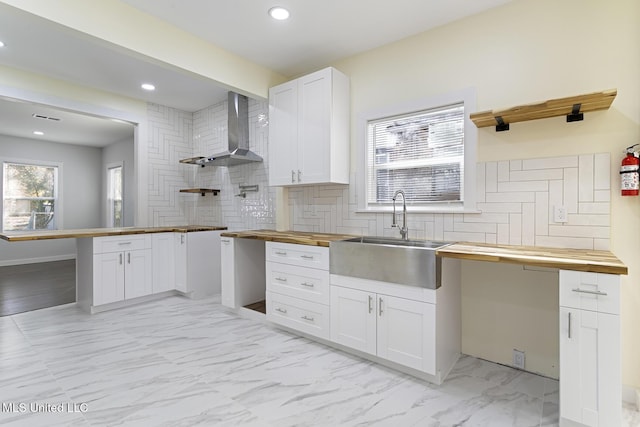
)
(114, 196)
(30, 196)
(421, 153)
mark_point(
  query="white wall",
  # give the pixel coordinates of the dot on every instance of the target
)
(121, 151)
(81, 192)
(524, 52)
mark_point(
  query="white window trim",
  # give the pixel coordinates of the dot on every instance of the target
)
(59, 199)
(109, 166)
(468, 96)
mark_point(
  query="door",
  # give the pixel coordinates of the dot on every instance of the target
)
(180, 261)
(138, 274)
(590, 367)
(227, 271)
(407, 333)
(163, 262)
(108, 282)
(283, 134)
(353, 318)
(314, 103)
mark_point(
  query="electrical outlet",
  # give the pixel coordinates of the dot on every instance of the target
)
(518, 359)
(559, 213)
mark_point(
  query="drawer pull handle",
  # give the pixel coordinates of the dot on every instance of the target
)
(310, 319)
(370, 304)
(584, 291)
(299, 173)
(226, 242)
(281, 310)
(380, 307)
(280, 253)
(569, 325)
(281, 279)
(308, 285)
(293, 176)
(120, 259)
(306, 256)
(129, 258)
(124, 243)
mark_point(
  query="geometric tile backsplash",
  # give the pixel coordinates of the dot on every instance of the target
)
(175, 135)
(516, 200)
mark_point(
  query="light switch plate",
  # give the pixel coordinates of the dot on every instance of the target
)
(559, 214)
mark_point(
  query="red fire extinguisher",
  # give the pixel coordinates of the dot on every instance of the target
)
(630, 173)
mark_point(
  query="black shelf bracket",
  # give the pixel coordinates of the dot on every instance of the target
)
(501, 126)
(575, 115)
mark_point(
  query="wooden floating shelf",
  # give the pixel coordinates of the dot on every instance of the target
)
(192, 161)
(202, 191)
(573, 107)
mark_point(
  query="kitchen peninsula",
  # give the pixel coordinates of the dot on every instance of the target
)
(116, 267)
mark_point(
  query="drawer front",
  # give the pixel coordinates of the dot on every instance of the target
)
(590, 291)
(309, 284)
(302, 255)
(301, 315)
(108, 244)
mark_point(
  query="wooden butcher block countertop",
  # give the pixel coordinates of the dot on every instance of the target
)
(23, 236)
(562, 258)
(297, 237)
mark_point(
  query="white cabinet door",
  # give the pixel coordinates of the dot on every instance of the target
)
(314, 108)
(283, 133)
(353, 318)
(138, 274)
(590, 391)
(227, 271)
(406, 332)
(163, 262)
(108, 279)
(180, 263)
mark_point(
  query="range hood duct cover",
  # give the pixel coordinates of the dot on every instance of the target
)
(238, 129)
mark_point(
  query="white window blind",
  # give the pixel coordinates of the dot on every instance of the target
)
(421, 153)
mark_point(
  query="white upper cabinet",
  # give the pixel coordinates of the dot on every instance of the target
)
(309, 130)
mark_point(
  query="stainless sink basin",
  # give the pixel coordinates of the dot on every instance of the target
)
(407, 262)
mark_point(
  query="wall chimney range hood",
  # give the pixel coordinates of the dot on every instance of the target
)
(238, 152)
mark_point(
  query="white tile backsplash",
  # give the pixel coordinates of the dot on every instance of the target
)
(516, 199)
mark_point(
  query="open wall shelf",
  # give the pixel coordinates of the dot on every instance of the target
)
(202, 191)
(192, 161)
(573, 107)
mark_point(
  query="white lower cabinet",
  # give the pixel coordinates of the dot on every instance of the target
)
(396, 329)
(297, 284)
(590, 376)
(164, 265)
(119, 273)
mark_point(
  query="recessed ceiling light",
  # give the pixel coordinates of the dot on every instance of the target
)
(279, 13)
(37, 132)
(1, 44)
(148, 86)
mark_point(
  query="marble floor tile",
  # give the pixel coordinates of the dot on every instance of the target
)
(182, 362)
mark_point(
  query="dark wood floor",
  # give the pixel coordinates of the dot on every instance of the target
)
(260, 306)
(34, 286)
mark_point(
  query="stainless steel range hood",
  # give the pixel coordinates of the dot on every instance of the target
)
(238, 125)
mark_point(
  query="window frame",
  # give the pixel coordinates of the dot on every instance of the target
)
(109, 205)
(467, 97)
(58, 218)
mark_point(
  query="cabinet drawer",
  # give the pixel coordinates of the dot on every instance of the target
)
(302, 255)
(108, 244)
(309, 284)
(590, 291)
(301, 315)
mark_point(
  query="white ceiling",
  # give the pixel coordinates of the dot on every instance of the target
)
(317, 34)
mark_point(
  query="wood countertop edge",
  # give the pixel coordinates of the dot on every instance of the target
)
(85, 233)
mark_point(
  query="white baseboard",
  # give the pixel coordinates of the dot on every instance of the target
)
(37, 260)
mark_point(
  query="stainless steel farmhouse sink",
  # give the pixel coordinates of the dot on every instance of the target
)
(407, 262)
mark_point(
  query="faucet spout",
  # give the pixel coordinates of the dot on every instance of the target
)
(404, 231)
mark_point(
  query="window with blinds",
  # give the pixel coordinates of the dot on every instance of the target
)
(421, 153)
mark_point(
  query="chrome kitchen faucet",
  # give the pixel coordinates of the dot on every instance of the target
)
(404, 231)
